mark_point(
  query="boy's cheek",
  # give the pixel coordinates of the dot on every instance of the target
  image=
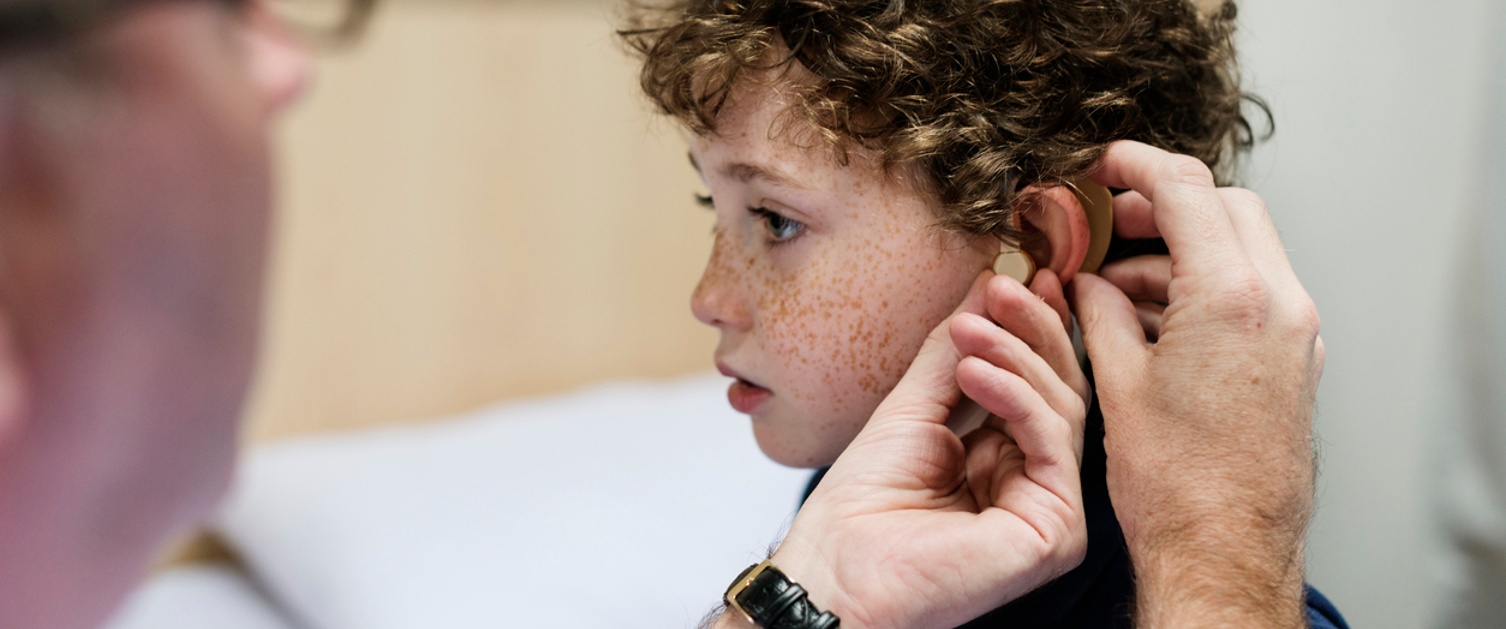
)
(829, 392)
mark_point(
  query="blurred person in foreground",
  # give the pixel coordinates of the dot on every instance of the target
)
(134, 192)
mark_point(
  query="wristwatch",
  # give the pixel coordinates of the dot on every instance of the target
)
(770, 600)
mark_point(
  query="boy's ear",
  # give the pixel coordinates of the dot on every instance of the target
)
(1059, 235)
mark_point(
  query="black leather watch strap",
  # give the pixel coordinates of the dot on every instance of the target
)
(768, 598)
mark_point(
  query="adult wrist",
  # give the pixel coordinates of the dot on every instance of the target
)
(803, 563)
(1198, 582)
(766, 596)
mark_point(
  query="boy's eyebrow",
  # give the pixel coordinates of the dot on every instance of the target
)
(745, 172)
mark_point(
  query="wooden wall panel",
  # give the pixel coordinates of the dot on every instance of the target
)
(477, 206)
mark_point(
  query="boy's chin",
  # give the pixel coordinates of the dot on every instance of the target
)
(793, 450)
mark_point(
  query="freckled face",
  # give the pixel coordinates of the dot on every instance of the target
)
(823, 280)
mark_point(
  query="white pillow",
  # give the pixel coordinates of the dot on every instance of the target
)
(198, 597)
(631, 505)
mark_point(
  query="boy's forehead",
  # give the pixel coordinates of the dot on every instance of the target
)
(750, 169)
(756, 148)
(755, 142)
(756, 102)
(765, 99)
(764, 115)
(762, 134)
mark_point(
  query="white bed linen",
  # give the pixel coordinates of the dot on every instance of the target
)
(198, 597)
(630, 505)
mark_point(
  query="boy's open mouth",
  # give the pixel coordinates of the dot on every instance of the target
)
(744, 395)
(747, 397)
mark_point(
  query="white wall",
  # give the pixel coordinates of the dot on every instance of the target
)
(1378, 107)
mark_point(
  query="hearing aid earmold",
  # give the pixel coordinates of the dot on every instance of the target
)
(1098, 205)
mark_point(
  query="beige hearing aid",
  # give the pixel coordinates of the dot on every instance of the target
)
(1098, 205)
(1014, 262)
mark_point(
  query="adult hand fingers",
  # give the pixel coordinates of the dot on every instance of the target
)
(1150, 314)
(1111, 327)
(1038, 323)
(1134, 216)
(979, 337)
(1021, 538)
(1141, 278)
(1293, 307)
(1019, 411)
(1188, 210)
(1048, 287)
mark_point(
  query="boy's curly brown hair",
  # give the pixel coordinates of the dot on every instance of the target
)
(986, 97)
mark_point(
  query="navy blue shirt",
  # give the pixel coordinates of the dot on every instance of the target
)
(1100, 591)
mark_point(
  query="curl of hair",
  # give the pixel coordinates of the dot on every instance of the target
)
(986, 97)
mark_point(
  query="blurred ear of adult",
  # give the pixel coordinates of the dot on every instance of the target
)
(276, 59)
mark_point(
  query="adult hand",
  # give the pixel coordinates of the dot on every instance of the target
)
(914, 527)
(1208, 404)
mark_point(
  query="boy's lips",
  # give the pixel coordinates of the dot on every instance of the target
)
(744, 396)
(747, 397)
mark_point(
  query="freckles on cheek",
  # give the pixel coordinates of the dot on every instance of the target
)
(831, 326)
(853, 326)
(793, 317)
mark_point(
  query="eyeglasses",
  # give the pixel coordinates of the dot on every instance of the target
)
(28, 23)
(328, 21)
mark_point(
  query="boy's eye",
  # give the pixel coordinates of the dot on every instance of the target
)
(781, 229)
(704, 200)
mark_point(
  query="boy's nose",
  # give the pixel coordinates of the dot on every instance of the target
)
(718, 300)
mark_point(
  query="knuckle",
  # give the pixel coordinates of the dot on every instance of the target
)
(1084, 393)
(1075, 550)
(1246, 290)
(1305, 317)
(1245, 201)
(1244, 300)
(1004, 294)
(1299, 316)
(1250, 303)
(1187, 170)
(940, 338)
(1077, 411)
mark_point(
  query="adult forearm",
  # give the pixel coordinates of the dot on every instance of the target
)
(1220, 575)
(1224, 550)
